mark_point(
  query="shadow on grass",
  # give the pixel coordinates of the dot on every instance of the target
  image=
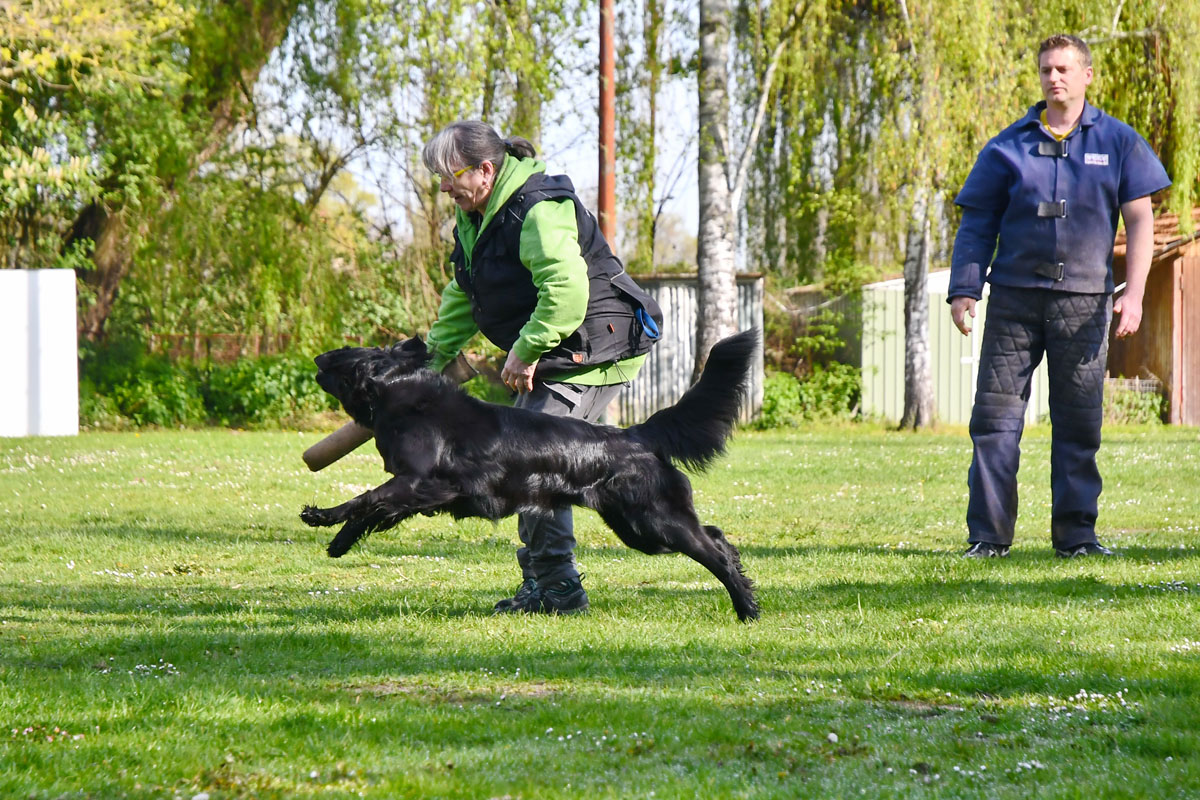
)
(306, 629)
(951, 581)
(269, 629)
(290, 530)
(1040, 553)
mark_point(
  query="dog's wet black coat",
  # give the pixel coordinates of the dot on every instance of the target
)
(451, 452)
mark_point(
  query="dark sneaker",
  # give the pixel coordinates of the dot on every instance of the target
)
(986, 550)
(527, 599)
(565, 597)
(1085, 549)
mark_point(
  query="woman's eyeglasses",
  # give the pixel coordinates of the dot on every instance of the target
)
(458, 173)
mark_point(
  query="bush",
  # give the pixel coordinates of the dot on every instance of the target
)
(124, 383)
(831, 392)
(264, 392)
(1126, 406)
(781, 402)
(98, 411)
(160, 395)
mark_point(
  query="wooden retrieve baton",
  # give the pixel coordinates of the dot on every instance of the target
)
(337, 444)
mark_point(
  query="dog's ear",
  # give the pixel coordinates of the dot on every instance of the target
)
(414, 346)
(410, 355)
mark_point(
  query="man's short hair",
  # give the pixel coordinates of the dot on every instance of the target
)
(1061, 40)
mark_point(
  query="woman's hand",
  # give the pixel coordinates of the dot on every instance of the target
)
(517, 375)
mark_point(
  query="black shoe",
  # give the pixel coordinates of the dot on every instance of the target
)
(527, 599)
(565, 597)
(986, 550)
(1085, 549)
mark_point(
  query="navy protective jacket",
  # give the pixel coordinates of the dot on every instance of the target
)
(1048, 210)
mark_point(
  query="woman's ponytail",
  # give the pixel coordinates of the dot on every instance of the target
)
(519, 147)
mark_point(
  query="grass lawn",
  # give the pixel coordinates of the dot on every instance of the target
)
(169, 628)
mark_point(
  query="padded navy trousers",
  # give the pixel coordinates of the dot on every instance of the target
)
(1021, 326)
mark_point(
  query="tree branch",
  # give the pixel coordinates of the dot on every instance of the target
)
(738, 184)
(674, 176)
(1114, 35)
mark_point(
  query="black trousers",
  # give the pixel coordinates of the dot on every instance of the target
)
(1071, 330)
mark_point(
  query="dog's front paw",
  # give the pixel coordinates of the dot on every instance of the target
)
(317, 517)
(346, 538)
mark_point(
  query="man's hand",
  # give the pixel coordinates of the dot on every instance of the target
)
(960, 307)
(1139, 250)
(1130, 309)
(517, 375)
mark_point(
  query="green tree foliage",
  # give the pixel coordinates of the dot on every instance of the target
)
(1147, 74)
(134, 96)
(231, 258)
(530, 55)
(640, 68)
(827, 393)
(882, 108)
(447, 70)
(253, 168)
(88, 93)
(878, 101)
(192, 158)
(655, 64)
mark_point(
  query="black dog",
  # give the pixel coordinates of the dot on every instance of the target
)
(451, 452)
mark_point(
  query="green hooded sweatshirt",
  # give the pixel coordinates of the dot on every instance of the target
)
(549, 247)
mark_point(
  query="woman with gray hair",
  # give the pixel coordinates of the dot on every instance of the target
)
(534, 275)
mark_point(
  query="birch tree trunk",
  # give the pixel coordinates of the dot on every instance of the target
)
(715, 256)
(925, 104)
(722, 173)
(918, 371)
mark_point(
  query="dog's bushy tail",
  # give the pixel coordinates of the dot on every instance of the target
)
(693, 432)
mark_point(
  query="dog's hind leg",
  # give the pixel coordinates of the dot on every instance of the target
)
(708, 546)
(659, 529)
(740, 587)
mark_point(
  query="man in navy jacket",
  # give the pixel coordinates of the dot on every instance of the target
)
(1039, 217)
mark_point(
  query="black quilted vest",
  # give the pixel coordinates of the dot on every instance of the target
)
(622, 320)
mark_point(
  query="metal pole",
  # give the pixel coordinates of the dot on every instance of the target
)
(607, 201)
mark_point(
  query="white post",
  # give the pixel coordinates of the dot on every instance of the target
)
(39, 353)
